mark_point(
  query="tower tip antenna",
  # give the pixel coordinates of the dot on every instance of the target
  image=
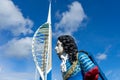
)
(49, 13)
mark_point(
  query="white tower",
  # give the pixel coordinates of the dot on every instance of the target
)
(41, 49)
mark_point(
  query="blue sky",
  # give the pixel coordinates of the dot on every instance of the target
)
(94, 25)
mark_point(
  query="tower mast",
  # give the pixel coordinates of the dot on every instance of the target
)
(42, 48)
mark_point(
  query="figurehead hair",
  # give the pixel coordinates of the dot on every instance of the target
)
(69, 47)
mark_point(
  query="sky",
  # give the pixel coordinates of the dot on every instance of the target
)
(95, 26)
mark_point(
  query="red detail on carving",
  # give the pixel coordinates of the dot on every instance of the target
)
(93, 74)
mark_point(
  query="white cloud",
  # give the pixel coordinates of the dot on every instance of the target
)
(58, 16)
(17, 47)
(103, 56)
(19, 50)
(71, 19)
(11, 19)
(17, 76)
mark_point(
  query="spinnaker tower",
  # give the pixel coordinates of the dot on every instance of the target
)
(41, 49)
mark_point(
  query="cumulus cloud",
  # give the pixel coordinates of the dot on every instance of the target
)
(11, 19)
(103, 56)
(17, 47)
(17, 76)
(71, 19)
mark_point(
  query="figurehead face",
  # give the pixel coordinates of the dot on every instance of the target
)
(59, 48)
(67, 45)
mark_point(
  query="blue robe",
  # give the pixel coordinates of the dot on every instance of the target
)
(83, 66)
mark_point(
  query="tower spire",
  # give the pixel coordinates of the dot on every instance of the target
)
(49, 14)
(42, 48)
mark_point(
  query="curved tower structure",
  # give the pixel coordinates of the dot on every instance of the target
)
(41, 49)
